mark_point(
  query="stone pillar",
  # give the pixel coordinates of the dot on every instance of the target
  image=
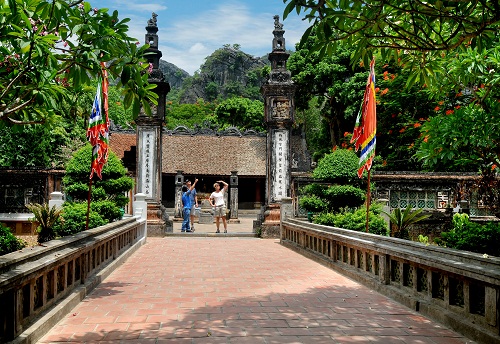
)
(279, 111)
(56, 199)
(286, 212)
(179, 181)
(233, 205)
(149, 140)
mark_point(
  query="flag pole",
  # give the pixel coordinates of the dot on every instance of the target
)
(88, 204)
(368, 200)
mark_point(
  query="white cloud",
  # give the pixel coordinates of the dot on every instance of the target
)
(186, 40)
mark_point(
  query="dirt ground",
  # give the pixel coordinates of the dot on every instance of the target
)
(31, 240)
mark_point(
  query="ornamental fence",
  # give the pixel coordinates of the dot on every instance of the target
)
(39, 285)
(456, 288)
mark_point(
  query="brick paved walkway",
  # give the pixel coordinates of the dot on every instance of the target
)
(237, 290)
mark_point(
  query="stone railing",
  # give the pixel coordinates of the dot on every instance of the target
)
(456, 288)
(39, 285)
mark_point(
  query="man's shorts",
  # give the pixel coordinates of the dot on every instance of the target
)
(220, 211)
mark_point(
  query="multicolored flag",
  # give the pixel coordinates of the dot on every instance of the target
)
(365, 129)
(98, 130)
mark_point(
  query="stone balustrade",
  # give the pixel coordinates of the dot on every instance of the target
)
(39, 285)
(456, 288)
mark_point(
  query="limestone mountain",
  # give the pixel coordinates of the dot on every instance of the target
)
(174, 75)
(227, 72)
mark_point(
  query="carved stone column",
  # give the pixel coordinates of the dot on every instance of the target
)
(149, 141)
(179, 181)
(279, 111)
(233, 205)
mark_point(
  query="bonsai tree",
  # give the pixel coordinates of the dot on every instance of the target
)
(47, 218)
(108, 194)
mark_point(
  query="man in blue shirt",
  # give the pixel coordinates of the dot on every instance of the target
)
(194, 203)
(186, 206)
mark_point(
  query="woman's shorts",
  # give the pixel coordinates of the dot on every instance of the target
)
(220, 211)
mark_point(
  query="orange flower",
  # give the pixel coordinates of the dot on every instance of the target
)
(416, 125)
(377, 89)
(344, 145)
(334, 148)
(493, 167)
(346, 133)
(393, 76)
(402, 130)
(459, 94)
(441, 102)
(449, 112)
(385, 91)
(384, 163)
(411, 146)
(457, 107)
(436, 108)
(386, 73)
(421, 119)
(426, 138)
(386, 77)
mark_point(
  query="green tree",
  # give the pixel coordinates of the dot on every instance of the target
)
(242, 113)
(412, 32)
(50, 49)
(337, 88)
(189, 115)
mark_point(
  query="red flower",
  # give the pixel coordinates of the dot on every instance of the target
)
(449, 112)
(402, 130)
(436, 108)
(416, 125)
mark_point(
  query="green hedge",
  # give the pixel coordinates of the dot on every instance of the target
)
(355, 220)
(473, 237)
(9, 242)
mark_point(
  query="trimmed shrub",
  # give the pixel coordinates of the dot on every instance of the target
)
(74, 217)
(113, 186)
(313, 189)
(471, 236)
(8, 241)
(339, 167)
(312, 203)
(108, 210)
(341, 196)
(355, 220)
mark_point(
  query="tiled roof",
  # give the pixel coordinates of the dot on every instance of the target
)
(204, 154)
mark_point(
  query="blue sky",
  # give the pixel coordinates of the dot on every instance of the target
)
(191, 30)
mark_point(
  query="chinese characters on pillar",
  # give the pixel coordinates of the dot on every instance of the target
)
(148, 149)
(280, 156)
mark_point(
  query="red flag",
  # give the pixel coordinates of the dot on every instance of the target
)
(365, 129)
(98, 131)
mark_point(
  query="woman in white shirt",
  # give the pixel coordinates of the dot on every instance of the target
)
(219, 205)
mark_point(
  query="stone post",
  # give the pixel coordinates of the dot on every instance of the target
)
(179, 181)
(149, 139)
(286, 212)
(140, 206)
(233, 183)
(279, 111)
(56, 199)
